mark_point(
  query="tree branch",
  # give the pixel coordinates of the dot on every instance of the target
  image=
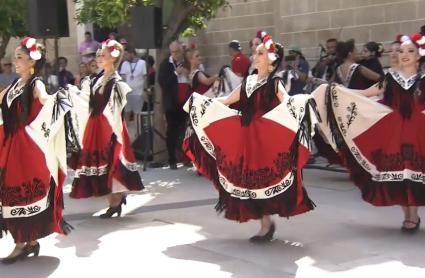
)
(5, 38)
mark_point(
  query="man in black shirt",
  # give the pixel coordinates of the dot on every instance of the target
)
(64, 76)
(326, 66)
(174, 83)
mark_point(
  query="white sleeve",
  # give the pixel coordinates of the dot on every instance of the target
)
(41, 88)
(123, 88)
(143, 71)
(124, 68)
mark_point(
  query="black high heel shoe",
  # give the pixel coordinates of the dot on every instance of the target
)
(413, 229)
(25, 252)
(112, 210)
(265, 238)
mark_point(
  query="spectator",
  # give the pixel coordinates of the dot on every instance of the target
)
(150, 81)
(300, 65)
(124, 42)
(394, 50)
(112, 36)
(349, 73)
(89, 45)
(93, 69)
(133, 70)
(52, 79)
(88, 56)
(8, 75)
(326, 66)
(174, 82)
(84, 71)
(240, 63)
(65, 77)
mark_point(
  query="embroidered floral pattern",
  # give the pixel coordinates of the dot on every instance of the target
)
(13, 94)
(21, 211)
(204, 106)
(26, 193)
(407, 154)
(252, 84)
(404, 83)
(291, 107)
(252, 178)
(352, 109)
(45, 130)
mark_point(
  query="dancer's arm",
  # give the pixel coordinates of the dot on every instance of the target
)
(369, 74)
(233, 97)
(207, 80)
(374, 90)
(281, 92)
(40, 91)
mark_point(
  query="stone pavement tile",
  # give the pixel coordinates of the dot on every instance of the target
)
(173, 230)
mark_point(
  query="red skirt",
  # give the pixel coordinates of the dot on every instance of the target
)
(26, 180)
(103, 162)
(393, 144)
(252, 159)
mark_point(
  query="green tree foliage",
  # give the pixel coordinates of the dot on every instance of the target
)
(12, 22)
(184, 17)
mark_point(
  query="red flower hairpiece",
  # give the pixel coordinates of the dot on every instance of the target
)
(415, 38)
(111, 45)
(270, 46)
(31, 45)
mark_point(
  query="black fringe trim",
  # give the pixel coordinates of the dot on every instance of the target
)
(26, 229)
(331, 121)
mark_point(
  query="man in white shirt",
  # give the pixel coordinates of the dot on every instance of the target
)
(133, 70)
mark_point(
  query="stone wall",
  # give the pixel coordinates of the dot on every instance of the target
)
(306, 23)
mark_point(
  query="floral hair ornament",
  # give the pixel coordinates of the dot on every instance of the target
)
(31, 45)
(416, 38)
(112, 46)
(270, 46)
(261, 34)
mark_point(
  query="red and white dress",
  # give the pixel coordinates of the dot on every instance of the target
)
(353, 80)
(256, 167)
(382, 144)
(106, 163)
(32, 164)
(198, 87)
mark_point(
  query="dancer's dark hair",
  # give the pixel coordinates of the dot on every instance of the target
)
(12, 117)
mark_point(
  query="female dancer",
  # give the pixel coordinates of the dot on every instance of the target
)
(106, 164)
(349, 73)
(383, 143)
(199, 80)
(254, 156)
(200, 83)
(32, 156)
(353, 76)
(371, 53)
(394, 51)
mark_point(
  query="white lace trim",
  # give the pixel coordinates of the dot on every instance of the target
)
(405, 83)
(347, 80)
(13, 94)
(263, 193)
(24, 211)
(252, 84)
(91, 171)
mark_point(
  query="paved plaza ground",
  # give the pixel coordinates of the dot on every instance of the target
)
(172, 230)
